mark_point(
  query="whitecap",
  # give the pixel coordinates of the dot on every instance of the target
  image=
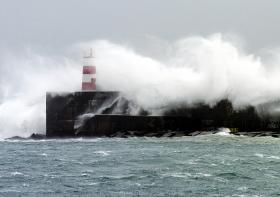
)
(103, 153)
(94, 183)
(259, 155)
(243, 188)
(192, 162)
(25, 185)
(202, 175)
(16, 173)
(184, 175)
(267, 156)
(273, 157)
(221, 179)
(177, 175)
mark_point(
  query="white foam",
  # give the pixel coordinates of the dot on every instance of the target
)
(16, 173)
(259, 155)
(103, 153)
(223, 132)
(273, 157)
(267, 156)
(243, 188)
(204, 69)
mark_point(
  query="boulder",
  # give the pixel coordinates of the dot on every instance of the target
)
(37, 136)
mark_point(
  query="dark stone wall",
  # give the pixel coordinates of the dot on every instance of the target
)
(107, 113)
(64, 109)
(108, 125)
(223, 115)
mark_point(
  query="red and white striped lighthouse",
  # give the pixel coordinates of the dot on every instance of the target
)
(89, 72)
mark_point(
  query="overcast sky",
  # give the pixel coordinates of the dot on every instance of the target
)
(56, 24)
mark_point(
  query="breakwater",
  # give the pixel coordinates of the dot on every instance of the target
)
(97, 114)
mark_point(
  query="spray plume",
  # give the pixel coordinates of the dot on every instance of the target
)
(197, 69)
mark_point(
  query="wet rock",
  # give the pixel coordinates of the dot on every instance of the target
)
(37, 136)
(151, 135)
(118, 134)
(253, 134)
(179, 134)
(206, 133)
(195, 133)
(264, 134)
(16, 138)
(239, 133)
(168, 134)
(276, 135)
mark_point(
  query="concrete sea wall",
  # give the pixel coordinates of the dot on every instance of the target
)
(109, 114)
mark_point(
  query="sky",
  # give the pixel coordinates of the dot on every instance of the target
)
(158, 53)
(51, 26)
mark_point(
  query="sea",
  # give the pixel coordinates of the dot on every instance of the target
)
(210, 165)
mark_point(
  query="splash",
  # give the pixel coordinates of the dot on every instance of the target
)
(194, 69)
(23, 84)
(223, 132)
(198, 70)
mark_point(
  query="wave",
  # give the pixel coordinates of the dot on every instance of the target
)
(195, 69)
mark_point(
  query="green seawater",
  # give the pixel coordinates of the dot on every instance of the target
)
(211, 165)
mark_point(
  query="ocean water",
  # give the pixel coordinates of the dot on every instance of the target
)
(211, 165)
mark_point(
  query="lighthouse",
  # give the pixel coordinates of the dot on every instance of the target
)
(89, 73)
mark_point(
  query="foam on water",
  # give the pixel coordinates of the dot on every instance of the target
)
(16, 173)
(103, 153)
(260, 155)
(224, 132)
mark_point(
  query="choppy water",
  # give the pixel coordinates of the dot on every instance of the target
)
(188, 166)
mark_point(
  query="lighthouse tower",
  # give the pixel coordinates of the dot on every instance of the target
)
(89, 72)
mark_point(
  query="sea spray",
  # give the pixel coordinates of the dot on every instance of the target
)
(198, 69)
(116, 104)
(24, 81)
